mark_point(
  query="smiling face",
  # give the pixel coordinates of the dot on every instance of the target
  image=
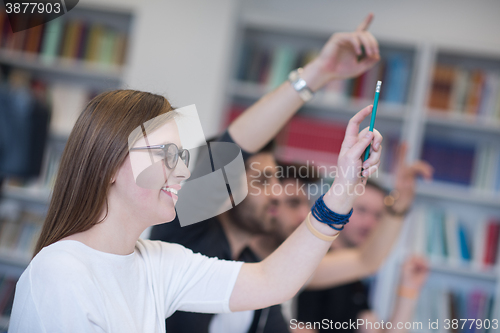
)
(143, 185)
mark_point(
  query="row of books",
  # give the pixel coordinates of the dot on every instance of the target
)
(305, 139)
(477, 166)
(486, 176)
(74, 39)
(270, 67)
(444, 236)
(19, 234)
(452, 162)
(394, 70)
(472, 92)
(7, 288)
(312, 139)
(317, 142)
(445, 310)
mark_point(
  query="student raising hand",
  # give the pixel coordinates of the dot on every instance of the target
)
(338, 60)
(342, 56)
(405, 180)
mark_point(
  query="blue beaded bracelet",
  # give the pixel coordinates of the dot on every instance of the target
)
(325, 215)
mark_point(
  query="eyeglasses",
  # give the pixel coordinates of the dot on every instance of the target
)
(169, 153)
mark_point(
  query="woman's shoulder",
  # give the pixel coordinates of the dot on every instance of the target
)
(160, 248)
(59, 260)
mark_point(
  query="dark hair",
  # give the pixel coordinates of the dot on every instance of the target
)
(311, 175)
(268, 148)
(96, 148)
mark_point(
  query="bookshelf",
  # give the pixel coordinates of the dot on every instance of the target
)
(72, 59)
(472, 120)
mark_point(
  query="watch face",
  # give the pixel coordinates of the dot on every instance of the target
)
(300, 85)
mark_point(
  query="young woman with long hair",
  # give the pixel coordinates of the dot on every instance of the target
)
(92, 273)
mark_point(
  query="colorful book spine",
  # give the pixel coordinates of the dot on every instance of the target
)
(282, 63)
(491, 243)
(51, 40)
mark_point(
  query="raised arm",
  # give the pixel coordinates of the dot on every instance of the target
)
(279, 276)
(413, 276)
(346, 265)
(253, 129)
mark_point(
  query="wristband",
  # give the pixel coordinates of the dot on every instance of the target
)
(300, 85)
(318, 234)
(325, 215)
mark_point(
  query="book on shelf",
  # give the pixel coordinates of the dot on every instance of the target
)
(389, 154)
(7, 289)
(474, 92)
(310, 139)
(445, 237)
(452, 162)
(73, 38)
(486, 177)
(304, 139)
(397, 78)
(51, 40)
(443, 303)
(18, 236)
(270, 67)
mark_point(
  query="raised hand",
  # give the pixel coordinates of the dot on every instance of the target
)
(405, 178)
(339, 57)
(414, 273)
(349, 164)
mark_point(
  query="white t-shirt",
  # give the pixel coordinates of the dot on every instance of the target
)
(70, 287)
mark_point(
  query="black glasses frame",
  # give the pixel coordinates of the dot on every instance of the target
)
(165, 148)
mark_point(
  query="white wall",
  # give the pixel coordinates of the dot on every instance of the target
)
(457, 23)
(180, 49)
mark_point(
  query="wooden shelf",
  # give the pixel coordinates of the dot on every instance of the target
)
(448, 191)
(464, 122)
(35, 195)
(21, 261)
(62, 66)
(255, 91)
(458, 193)
(488, 273)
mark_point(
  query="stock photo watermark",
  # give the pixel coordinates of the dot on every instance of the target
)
(299, 180)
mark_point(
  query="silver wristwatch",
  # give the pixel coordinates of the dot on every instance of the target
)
(300, 85)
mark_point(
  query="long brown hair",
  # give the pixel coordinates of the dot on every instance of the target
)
(96, 148)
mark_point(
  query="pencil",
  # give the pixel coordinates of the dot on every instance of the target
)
(374, 113)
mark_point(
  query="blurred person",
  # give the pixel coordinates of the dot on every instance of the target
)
(228, 235)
